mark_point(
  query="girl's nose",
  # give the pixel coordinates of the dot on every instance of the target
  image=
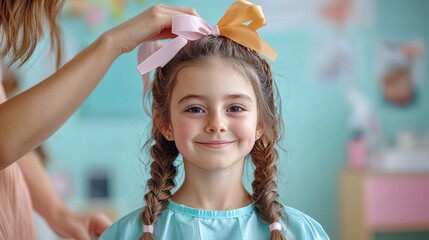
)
(216, 123)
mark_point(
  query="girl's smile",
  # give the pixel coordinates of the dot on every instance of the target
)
(216, 144)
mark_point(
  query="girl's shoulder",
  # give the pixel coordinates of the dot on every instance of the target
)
(301, 225)
(127, 227)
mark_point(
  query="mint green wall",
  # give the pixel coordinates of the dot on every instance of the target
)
(108, 130)
(404, 20)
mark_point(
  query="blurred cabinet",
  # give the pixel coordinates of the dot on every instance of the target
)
(373, 202)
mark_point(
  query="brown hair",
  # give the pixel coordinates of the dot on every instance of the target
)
(264, 155)
(21, 27)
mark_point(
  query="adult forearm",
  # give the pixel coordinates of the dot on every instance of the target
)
(29, 118)
(43, 196)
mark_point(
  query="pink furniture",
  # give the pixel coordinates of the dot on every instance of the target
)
(382, 202)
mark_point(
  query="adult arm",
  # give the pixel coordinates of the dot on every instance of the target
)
(48, 204)
(29, 118)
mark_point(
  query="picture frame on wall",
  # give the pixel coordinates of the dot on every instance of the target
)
(400, 71)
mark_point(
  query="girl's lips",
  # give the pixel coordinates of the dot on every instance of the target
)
(215, 144)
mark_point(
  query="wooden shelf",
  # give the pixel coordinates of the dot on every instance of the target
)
(372, 202)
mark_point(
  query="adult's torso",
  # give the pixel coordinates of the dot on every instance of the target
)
(16, 211)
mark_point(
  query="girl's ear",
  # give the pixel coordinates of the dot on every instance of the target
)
(259, 130)
(166, 131)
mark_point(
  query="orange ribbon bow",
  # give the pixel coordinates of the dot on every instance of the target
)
(233, 25)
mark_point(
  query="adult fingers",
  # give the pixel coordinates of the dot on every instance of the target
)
(98, 224)
(164, 34)
(182, 10)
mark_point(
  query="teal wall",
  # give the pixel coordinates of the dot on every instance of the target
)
(108, 131)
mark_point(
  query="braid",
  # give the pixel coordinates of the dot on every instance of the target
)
(162, 173)
(264, 157)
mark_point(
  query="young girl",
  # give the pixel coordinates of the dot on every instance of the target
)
(213, 103)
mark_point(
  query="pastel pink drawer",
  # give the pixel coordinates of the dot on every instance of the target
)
(397, 201)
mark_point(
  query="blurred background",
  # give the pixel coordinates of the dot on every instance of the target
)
(355, 101)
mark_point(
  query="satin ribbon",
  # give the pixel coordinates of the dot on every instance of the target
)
(233, 26)
(187, 28)
(190, 28)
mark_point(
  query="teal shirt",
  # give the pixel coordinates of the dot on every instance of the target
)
(180, 222)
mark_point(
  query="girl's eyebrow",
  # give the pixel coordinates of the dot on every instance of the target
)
(191, 97)
(238, 96)
(202, 98)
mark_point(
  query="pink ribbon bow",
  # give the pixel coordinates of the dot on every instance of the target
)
(187, 28)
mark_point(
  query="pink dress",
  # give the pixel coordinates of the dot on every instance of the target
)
(16, 210)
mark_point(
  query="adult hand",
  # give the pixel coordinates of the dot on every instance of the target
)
(80, 226)
(154, 23)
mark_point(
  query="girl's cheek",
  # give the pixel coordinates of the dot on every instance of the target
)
(186, 128)
(244, 128)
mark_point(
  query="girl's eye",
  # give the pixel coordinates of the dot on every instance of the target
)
(235, 109)
(195, 110)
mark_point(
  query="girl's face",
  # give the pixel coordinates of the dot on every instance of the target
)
(214, 116)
